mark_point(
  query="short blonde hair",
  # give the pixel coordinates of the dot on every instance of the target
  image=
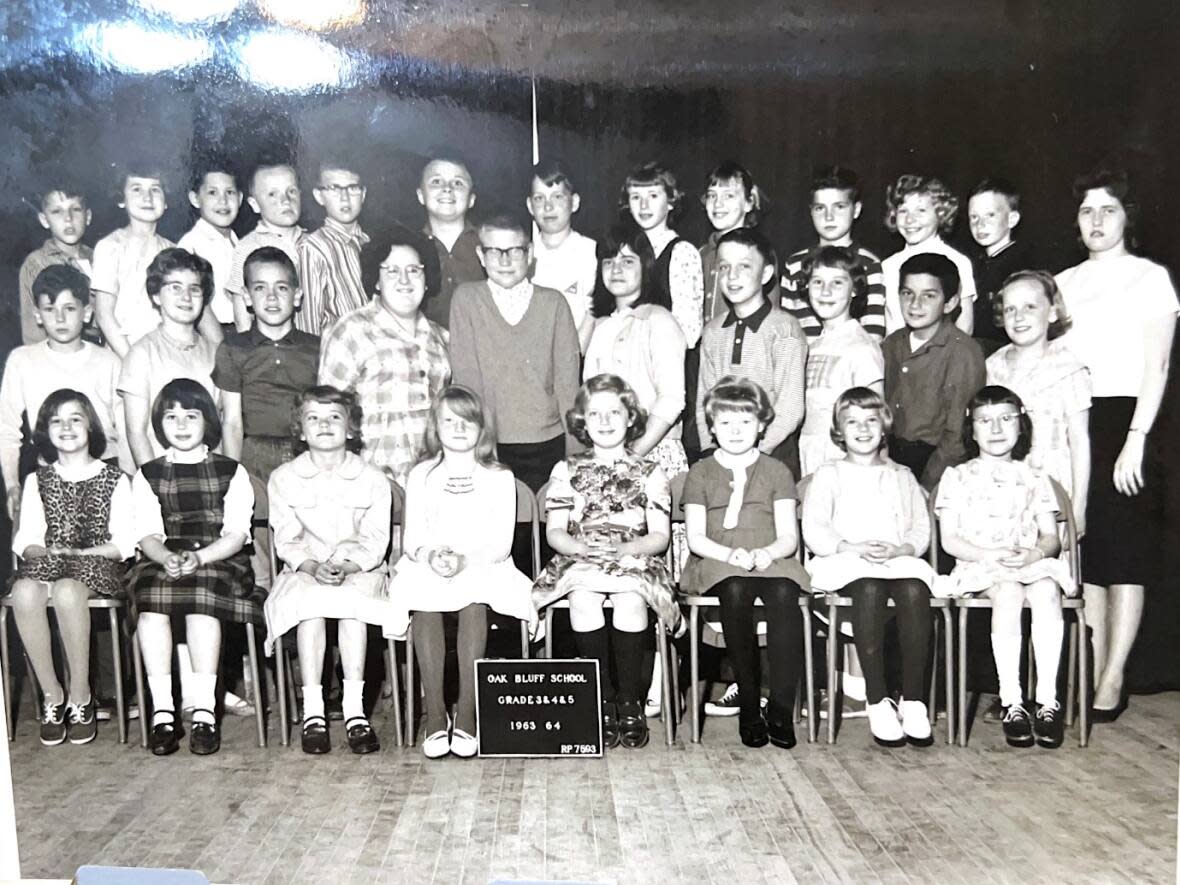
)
(863, 398)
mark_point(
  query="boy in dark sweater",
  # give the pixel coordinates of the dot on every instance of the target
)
(993, 211)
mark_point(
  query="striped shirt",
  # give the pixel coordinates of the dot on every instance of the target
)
(796, 303)
(395, 376)
(50, 252)
(769, 348)
(330, 276)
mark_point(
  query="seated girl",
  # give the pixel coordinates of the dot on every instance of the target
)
(739, 507)
(193, 509)
(460, 519)
(608, 524)
(865, 519)
(75, 531)
(330, 513)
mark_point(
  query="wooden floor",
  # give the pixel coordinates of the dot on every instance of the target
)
(716, 812)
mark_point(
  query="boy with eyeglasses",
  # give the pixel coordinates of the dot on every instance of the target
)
(330, 258)
(515, 344)
(447, 193)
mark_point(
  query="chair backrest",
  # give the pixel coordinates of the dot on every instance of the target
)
(676, 483)
(932, 552)
(540, 496)
(526, 511)
(801, 552)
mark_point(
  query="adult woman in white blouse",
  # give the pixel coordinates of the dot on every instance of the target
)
(1124, 311)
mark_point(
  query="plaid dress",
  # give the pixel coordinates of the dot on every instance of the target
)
(191, 499)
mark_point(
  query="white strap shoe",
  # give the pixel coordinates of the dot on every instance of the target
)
(884, 724)
(915, 722)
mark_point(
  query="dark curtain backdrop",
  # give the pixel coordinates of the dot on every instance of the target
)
(1039, 98)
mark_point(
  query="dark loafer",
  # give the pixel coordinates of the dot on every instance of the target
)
(610, 725)
(633, 732)
(205, 737)
(753, 732)
(164, 738)
(780, 726)
(361, 737)
(316, 739)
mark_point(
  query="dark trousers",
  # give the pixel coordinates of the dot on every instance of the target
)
(911, 453)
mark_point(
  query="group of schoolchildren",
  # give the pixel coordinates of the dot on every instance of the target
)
(288, 376)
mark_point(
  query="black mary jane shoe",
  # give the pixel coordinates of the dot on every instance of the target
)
(315, 739)
(633, 732)
(361, 737)
(1102, 714)
(610, 725)
(205, 737)
(754, 732)
(164, 738)
(780, 725)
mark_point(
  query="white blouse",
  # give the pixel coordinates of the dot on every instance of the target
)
(237, 508)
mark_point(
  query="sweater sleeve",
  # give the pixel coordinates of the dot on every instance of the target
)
(284, 523)
(819, 507)
(790, 371)
(238, 506)
(917, 532)
(122, 521)
(567, 355)
(464, 357)
(367, 547)
(667, 346)
(706, 378)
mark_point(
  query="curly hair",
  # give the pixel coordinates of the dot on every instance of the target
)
(946, 204)
(96, 442)
(861, 398)
(1049, 288)
(327, 395)
(173, 259)
(734, 394)
(575, 418)
(1117, 183)
(995, 395)
(845, 259)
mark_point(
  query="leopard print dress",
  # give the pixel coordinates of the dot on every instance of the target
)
(77, 514)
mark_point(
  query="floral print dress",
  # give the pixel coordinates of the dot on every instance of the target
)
(608, 501)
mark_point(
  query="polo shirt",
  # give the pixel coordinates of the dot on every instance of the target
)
(928, 390)
(49, 252)
(268, 374)
(456, 266)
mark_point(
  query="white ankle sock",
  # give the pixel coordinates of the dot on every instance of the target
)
(161, 691)
(1006, 652)
(353, 701)
(854, 687)
(186, 676)
(201, 688)
(1046, 643)
(313, 701)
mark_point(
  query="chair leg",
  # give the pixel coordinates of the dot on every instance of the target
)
(665, 681)
(117, 660)
(949, 673)
(144, 701)
(1083, 683)
(411, 689)
(963, 612)
(674, 658)
(809, 675)
(395, 689)
(1030, 688)
(281, 675)
(9, 706)
(694, 671)
(833, 646)
(549, 632)
(932, 695)
(1071, 672)
(259, 712)
(524, 640)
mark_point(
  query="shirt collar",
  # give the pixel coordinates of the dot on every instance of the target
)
(384, 318)
(350, 468)
(754, 321)
(266, 228)
(942, 337)
(194, 456)
(521, 290)
(336, 229)
(255, 336)
(207, 231)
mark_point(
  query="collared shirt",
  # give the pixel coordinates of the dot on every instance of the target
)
(770, 349)
(285, 238)
(49, 252)
(796, 302)
(395, 375)
(570, 268)
(269, 374)
(928, 390)
(891, 271)
(330, 275)
(212, 244)
(512, 303)
(456, 266)
(715, 303)
(121, 260)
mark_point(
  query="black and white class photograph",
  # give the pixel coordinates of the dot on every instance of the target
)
(585, 442)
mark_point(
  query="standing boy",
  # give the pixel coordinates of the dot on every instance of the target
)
(993, 211)
(121, 258)
(835, 206)
(66, 216)
(754, 339)
(330, 258)
(932, 369)
(217, 198)
(446, 193)
(274, 195)
(565, 260)
(61, 295)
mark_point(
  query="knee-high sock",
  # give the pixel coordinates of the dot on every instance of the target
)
(595, 645)
(628, 651)
(1046, 642)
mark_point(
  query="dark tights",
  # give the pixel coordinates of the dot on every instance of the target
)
(430, 646)
(869, 614)
(630, 680)
(784, 626)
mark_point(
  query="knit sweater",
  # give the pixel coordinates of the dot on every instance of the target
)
(526, 374)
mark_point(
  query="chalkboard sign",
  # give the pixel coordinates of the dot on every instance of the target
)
(538, 707)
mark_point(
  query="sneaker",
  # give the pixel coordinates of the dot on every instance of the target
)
(652, 708)
(727, 705)
(82, 725)
(53, 723)
(915, 722)
(1017, 727)
(884, 723)
(1049, 726)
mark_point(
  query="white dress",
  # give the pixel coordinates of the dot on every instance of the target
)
(328, 515)
(855, 502)
(476, 518)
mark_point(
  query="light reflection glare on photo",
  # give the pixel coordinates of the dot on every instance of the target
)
(315, 15)
(191, 11)
(134, 48)
(292, 62)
